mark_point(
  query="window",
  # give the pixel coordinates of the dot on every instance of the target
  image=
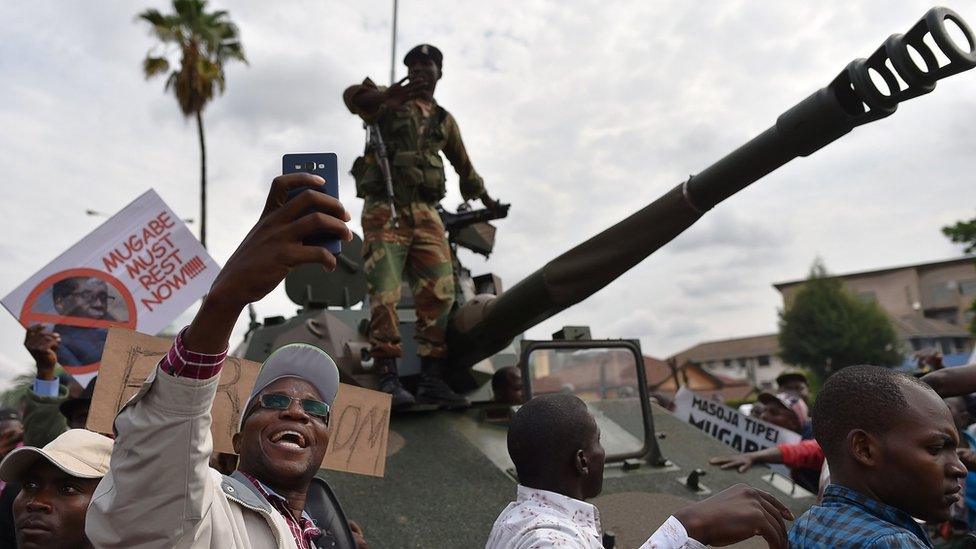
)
(763, 360)
(867, 297)
(941, 293)
(960, 344)
(727, 363)
(946, 345)
(967, 287)
(945, 315)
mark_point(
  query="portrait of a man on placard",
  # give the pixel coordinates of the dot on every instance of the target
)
(82, 297)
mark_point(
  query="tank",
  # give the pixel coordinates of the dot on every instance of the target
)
(439, 460)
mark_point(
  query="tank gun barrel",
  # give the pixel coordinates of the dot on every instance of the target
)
(865, 91)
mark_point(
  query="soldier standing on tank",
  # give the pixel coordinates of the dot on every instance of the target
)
(415, 130)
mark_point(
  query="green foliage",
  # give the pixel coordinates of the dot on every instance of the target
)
(815, 382)
(205, 41)
(964, 232)
(826, 328)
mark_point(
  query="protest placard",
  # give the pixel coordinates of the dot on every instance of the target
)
(128, 360)
(140, 269)
(358, 428)
(741, 432)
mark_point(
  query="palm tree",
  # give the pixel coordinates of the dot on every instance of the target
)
(205, 42)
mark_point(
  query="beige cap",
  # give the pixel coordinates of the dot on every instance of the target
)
(78, 452)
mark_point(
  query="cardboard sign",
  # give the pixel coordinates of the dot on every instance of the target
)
(741, 432)
(139, 270)
(358, 428)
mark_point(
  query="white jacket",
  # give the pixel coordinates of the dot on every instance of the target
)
(160, 490)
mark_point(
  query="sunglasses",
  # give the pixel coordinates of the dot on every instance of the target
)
(311, 406)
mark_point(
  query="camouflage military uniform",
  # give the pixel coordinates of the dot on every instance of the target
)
(415, 134)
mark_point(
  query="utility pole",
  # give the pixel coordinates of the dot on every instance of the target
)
(393, 46)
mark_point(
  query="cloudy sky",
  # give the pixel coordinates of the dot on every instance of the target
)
(577, 113)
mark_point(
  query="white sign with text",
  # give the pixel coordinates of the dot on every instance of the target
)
(741, 432)
(138, 270)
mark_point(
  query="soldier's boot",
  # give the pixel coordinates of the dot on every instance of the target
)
(433, 389)
(390, 384)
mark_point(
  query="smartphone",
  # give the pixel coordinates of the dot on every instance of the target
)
(326, 166)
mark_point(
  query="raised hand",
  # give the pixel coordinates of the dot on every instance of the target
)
(399, 93)
(42, 345)
(736, 514)
(267, 254)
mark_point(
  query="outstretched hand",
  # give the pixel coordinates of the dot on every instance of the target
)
(267, 254)
(739, 462)
(736, 514)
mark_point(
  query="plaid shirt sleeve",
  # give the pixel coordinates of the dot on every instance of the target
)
(182, 362)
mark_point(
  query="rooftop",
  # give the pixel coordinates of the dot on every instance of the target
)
(875, 272)
(767, 344)
(919, 326)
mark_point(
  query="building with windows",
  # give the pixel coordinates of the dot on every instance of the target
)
(930, 304)
(753, 359)
(664, 380)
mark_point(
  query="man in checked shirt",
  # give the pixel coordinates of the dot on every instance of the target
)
(891, 445)
(160, 491)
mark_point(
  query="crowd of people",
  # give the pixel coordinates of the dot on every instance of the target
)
(893, 447)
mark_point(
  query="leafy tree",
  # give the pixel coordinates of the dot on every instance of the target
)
(964, 232)
(205, 41)
(826, 328)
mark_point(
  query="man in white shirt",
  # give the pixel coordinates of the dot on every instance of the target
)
(554, 443)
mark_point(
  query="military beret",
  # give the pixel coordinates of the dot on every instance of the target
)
(425, 50)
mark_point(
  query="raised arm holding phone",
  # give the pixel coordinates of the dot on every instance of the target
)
(160, 491)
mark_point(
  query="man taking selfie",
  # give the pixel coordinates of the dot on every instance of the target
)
(160, 491)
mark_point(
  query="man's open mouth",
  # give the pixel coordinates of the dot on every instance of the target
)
(289, 439)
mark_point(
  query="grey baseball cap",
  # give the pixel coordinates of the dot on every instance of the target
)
(301, 361)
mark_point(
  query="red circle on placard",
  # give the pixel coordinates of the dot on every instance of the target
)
(29, 317)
